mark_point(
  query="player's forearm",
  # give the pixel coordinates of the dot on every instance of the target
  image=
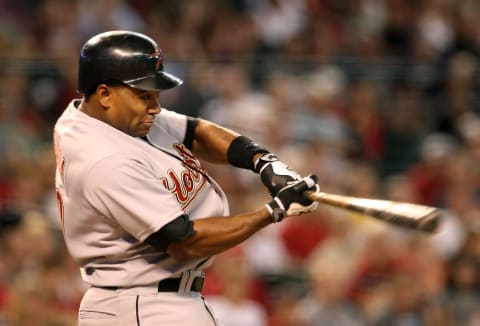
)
(211, 142)
(216, 234)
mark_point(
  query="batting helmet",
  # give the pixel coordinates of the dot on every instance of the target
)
(128, 57)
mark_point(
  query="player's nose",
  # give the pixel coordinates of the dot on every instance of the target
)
(154, 108)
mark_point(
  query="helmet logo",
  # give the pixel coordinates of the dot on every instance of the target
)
(158, 55)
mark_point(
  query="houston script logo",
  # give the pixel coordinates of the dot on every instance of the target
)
(186, 185)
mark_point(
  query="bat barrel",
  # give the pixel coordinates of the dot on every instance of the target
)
(413, 216)
(430, 222)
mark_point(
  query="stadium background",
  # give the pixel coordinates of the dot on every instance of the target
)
(378, 97)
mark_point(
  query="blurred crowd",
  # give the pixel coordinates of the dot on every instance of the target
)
(379, 98)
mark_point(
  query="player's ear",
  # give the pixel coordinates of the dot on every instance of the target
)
(103, 93)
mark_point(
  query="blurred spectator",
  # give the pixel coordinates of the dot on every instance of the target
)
(47, 90)
(463, 290)
(230, 35)
(365, 119)
(423, 304)
(236, 105)
(270, 17)
(10, 221)
(28, 244)
(63, 281)
(471, 246)
(403, 132)
(267, 253)
(398, 29)
(361, 181)
(321, 115)
(399, 188)
(429, 176)
(405, 307)
(457, 94)
(329, 269)
(98, 16)
(284, 299)
(434, 25)
(313, 230)
(450, 236)
(233, 304)
(381, 256)
(470, 138)
(428, 267)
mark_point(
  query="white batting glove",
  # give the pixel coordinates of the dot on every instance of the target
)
(291, 200)
(274, 174)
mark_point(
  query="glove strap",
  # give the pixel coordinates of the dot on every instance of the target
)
(262, 161)
(276, 210)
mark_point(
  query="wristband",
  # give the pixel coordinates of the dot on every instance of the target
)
(241, 151)
(262, 161)
(276, 210)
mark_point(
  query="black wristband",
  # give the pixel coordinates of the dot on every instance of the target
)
(241, 152)
(276, 210)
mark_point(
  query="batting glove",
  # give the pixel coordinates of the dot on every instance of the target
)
(291, 200)
(274, 174)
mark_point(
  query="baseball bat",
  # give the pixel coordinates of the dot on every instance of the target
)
(406, 215)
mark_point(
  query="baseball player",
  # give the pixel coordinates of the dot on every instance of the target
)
(140, 214)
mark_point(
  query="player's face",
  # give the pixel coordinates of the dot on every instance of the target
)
(134, 110)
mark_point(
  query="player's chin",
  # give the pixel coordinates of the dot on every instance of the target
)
(142, 130)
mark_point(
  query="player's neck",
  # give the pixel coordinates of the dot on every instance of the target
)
(90, 110)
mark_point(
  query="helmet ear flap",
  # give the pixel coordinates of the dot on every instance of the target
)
(127, 57)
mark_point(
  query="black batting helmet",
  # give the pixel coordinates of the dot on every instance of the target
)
(128, 57)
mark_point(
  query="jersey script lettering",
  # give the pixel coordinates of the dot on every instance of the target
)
(186, 185)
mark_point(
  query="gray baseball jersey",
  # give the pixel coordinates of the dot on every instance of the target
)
(115, 190)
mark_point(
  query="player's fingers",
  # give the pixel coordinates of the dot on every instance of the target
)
(306, 183)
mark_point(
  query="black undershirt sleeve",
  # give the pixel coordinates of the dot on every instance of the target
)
(177, 230)
(190, 133)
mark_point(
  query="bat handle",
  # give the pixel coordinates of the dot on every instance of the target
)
(313, 195)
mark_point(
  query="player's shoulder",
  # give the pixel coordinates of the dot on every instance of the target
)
(88, 141)
(169, 126)
(115, 161)
(68, 115)
(168, 117)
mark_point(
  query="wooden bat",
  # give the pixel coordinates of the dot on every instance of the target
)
(412, 216)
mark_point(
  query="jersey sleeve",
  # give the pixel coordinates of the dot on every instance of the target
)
(131, 196)
(180, 128)
(172, 123)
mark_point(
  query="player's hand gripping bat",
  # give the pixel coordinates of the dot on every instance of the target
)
(418, 217)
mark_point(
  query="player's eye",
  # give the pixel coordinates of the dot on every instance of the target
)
(146, 97)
